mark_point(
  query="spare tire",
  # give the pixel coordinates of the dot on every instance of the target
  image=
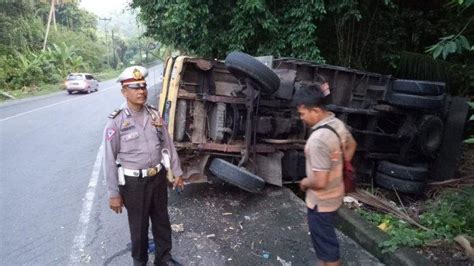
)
(410, 173)
(416, 101)
(242, 65)
(430, 134)
(418, 87)
(236, 176)
(405, 186)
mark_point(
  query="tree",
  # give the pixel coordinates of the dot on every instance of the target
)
(456, 43)
(213, 28)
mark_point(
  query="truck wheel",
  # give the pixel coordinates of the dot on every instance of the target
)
(243, 65)
(405, 186)
(418, 87)
(430, 134)
(236, 176)
(447, 159)
(416, 101)
(410, 173)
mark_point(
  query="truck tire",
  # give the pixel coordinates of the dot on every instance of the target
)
(430, 134)
(418, 87)
(416, 101)
(410, 173)
(447, 159)
(243, 65)
(236, 176)
(400, 185)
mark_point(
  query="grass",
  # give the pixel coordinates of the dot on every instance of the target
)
(41, 89)
(108, 74)
(44, 89)
(446, 217)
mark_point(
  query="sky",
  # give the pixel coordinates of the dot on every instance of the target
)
(103, 7)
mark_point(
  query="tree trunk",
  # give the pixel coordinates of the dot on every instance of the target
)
(54, 17)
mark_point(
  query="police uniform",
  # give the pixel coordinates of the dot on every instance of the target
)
(133, 145)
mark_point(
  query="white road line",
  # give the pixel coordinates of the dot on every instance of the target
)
(51, 105)
(80, 237)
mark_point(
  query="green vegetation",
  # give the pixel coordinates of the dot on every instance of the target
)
(446, 217)
(391, 36)
(74, 44)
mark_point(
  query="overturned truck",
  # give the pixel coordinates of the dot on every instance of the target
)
(235, 119)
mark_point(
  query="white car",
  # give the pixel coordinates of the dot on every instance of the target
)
(81, 82)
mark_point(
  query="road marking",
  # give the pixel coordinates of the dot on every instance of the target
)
(51, 105)
(81, 232)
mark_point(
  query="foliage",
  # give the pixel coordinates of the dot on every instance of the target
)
(455, 43)
(213, 28)
(449, 45)
(72, 47)
(446, 217)
(387, 36)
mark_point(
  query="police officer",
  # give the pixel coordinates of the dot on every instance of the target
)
(135, 143)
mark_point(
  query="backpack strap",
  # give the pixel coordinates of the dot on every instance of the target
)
(326, 126)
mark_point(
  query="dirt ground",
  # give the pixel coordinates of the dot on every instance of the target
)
(223, 225)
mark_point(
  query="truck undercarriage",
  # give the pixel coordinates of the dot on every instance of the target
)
(235, 118)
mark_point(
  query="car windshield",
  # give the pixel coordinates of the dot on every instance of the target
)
(75, 77)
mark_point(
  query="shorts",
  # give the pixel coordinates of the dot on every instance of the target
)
(323, 234)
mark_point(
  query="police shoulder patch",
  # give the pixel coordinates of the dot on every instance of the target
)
(115, 113)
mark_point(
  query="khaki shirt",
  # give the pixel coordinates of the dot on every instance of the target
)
(131, 140)
(323, 153)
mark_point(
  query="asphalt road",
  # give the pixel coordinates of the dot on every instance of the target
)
(52, 195)
(53, 198)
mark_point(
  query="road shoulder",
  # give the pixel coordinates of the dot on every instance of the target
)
(224, 225)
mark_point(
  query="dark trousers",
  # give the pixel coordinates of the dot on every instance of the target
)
(147, 199)
(323, 234)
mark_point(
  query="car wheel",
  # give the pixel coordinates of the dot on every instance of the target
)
(236, 176)
(242, 65)
(400, 185)
(449, 153)
(410, 173)
(430, 134)
(418, 87)
(416, 101)
(69, 92)
(88, 90)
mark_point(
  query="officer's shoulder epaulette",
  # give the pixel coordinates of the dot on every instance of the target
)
(114, 113)
(152, 107)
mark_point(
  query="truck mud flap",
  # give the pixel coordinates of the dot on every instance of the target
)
(236, 176)
(446, 163)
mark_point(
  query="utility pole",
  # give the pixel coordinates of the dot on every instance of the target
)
(106, 20)
(113, 49)
(51, 12)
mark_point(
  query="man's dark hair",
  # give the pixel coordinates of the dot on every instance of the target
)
(310, 96)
